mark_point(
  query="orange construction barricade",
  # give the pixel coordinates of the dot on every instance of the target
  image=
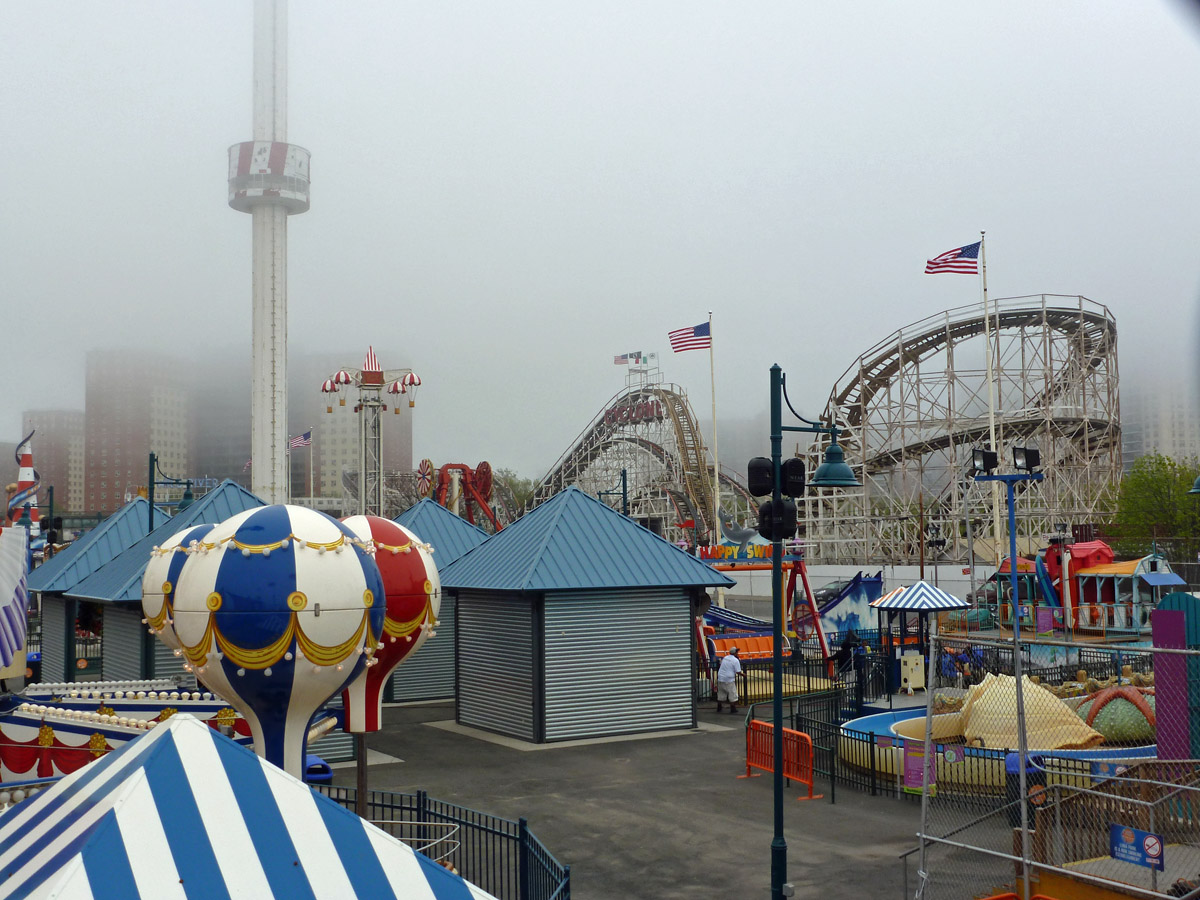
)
(797, 754)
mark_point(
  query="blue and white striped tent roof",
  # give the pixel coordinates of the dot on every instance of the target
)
(919, 597)
(184, 812)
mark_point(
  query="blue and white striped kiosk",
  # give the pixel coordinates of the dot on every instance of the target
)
(184, 812)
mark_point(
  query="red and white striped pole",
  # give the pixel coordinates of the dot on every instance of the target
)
(27, 485)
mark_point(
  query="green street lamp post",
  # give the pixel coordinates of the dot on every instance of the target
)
(157, 476)
(777, 521)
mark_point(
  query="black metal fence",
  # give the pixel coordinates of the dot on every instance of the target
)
(863, 679)
(842, 756)
(499, 855)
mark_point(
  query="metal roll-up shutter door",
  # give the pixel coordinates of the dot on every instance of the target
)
(335, 745)
(495, 664)
(54, 629)
(429, 673)
(168, 665)
(618, 662)
(121, 646)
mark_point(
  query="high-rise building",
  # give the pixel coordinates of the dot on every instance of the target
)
(136, 403)
(58, 444)
(1160, 418)
(220, 404)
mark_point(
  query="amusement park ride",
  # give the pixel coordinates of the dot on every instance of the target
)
(648, 435)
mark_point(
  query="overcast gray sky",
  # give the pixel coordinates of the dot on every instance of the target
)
(505, 195)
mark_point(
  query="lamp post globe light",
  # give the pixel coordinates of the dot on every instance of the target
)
(784, 480)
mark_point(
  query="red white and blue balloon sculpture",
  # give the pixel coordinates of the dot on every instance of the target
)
(413, 592)
(162, 574)
(276, 609)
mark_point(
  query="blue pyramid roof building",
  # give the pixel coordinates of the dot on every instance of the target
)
(120, 580)
(575, 542)
(450, 536)
(105, 542)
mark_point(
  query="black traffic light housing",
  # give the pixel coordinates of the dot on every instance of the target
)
(791, 476)
(760, 476)
(777, 521)
(760, 479)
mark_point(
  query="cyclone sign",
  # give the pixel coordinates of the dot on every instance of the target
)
(634, 413)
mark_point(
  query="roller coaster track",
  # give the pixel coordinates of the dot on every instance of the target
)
(913, 405)
(1016, 428)
(859, 384)
(1091, 333)
(669, 435)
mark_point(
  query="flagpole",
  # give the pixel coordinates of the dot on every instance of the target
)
(712, 374)
(991, 386)
(310, 484)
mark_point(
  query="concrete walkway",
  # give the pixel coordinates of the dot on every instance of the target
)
(662, 816)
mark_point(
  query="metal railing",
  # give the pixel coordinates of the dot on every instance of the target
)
(499, 855)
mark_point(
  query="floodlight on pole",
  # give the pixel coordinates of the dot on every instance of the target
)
(1027, 459)
(1010, 482)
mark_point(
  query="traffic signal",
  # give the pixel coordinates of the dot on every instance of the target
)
(791, 476)
(777, 520)
(760, 476)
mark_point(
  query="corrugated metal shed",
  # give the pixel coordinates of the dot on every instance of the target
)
(120, 580)
(575, 542)
(450, 536)
(105, 542)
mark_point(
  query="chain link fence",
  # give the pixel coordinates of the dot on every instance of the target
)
(1081, 778)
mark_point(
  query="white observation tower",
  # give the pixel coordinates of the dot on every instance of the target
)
(268, 178)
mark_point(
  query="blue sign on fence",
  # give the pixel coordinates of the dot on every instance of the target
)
(1142, 848)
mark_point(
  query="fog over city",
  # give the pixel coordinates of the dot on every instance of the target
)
(505, 196)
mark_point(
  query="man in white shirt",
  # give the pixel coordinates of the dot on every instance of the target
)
(727, 675)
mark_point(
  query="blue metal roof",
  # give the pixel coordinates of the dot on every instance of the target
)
(120, 580)
(1162, 579)
(450, 536)
(117, 533)
(575, 542)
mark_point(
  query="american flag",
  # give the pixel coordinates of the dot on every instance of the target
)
(695, 338)
(962, 259)
(246, 467)
(626, 358)
(303, 440)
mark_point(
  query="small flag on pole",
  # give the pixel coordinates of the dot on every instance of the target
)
(301, 441)
(696, 338)
(964, 260)
(625, 359)
(246, 467)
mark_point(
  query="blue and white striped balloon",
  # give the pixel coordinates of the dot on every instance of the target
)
(162, 574)
(277, 610)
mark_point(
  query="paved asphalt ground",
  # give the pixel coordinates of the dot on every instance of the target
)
(662, 817)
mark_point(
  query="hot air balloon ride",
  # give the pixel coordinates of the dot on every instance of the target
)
(162, 574)
(278, 609)
(413, 596)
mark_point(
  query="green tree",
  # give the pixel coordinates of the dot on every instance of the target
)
(517, 490)
(1154, 505)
